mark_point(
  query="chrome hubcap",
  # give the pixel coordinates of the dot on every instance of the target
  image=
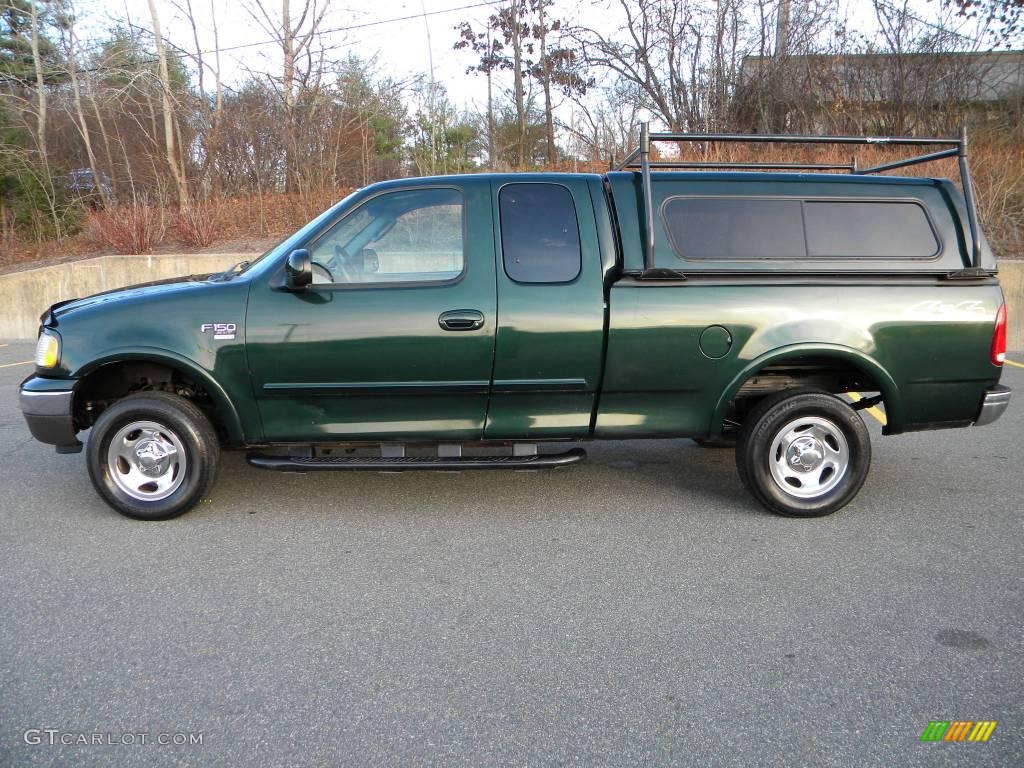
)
(809, 457)
(146, 460)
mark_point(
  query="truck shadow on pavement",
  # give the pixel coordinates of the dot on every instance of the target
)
(674, 475)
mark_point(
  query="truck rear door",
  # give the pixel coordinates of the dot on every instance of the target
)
(550, 336)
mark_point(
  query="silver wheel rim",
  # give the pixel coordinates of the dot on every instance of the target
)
(809, 457)
(146, 460)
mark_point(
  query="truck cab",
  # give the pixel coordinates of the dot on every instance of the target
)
(458, 309)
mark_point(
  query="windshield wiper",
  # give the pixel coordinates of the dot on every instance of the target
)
(230, 272)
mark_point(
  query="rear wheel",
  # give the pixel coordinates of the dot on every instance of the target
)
(803, 454)
(152, 455)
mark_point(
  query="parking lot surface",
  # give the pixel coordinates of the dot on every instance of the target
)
(639, 609)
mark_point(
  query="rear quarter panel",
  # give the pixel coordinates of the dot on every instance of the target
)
(926, 345)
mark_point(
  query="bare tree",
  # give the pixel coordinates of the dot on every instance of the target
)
(604, 131)
(83, 126)
(681, 55)
(37, 62)
(489, 50)
(173, 159)
(295, 37)
(558, 67)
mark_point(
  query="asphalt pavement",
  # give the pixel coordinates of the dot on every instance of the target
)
(639, 609)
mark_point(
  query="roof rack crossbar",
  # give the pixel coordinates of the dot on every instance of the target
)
(750, 166)
(631, 159)
(954, 152)
(956, 147)
(777, 138)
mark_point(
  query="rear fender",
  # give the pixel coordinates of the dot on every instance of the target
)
(887, 385)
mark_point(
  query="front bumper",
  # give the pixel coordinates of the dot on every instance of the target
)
(993, 405)
(49, 415)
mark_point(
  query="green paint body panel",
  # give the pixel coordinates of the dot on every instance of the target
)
(550, 338)
(935, 357)
(162, 322)
(402, 377)
(606, 355)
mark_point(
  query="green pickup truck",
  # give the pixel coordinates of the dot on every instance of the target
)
(477, 321)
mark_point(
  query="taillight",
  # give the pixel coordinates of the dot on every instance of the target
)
(999, 337)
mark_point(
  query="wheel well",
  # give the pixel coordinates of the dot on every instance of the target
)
(830, 374)
(112, 381)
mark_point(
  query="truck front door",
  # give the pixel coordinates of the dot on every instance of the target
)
(548, 356)
(395, 338)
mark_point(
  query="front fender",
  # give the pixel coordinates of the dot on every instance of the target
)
(890, 391)
(225, 407)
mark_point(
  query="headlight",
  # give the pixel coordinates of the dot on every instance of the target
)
(47, 350)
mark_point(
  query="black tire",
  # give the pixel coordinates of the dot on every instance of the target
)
(178, 422)
(810, 490)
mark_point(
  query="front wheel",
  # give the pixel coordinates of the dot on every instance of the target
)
(152, 455)
(803, 454)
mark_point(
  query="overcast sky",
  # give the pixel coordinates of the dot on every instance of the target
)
(401, 48)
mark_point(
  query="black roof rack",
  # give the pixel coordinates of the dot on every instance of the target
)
(640, 159)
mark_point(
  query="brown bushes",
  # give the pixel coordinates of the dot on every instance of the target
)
(274, 215)
(142, 228)
(126, 228)
(198, 225)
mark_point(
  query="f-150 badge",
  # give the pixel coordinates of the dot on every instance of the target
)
(220, 331)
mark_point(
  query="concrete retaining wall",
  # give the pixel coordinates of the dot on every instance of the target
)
(1011, 277)
(24, 295)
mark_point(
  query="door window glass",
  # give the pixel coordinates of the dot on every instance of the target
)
(398, 237)
(540, 236)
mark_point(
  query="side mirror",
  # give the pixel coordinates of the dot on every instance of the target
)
(298, 271)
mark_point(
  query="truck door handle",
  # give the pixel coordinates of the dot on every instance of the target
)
(461, 320)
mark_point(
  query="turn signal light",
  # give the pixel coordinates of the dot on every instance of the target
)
(999, 337)
(47, 351)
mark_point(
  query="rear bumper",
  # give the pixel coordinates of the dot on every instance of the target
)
(49, 416)
(993, 405)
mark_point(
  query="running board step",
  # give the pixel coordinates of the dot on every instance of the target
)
(405, 464)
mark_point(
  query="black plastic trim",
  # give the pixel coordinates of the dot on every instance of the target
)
(519, 386)
(406, 463)
(50, 418)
